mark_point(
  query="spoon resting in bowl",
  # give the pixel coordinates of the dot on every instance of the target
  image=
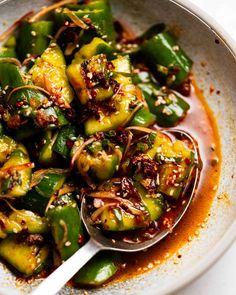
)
(98, 241)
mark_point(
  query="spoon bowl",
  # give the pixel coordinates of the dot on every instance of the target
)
(121, 246)
(98, 241)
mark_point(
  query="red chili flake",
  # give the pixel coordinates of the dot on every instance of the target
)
(81, 239)
(175, 70)
(151, 230)
(93, 93)
(88, 82)
(14, 122)
(35, 239)
(185, 88)
(187, 161)
(88, 21)
(20, 103)
(69, 143)
(138, 219)
(110, 66)
(23, 222)
(212, 89)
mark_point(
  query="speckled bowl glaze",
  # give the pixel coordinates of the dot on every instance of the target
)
(198, 34)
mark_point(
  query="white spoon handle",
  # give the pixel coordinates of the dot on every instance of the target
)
(53, 283)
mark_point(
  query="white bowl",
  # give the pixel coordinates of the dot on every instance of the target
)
(198, 34)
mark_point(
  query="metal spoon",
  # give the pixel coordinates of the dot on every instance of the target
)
(98, 241)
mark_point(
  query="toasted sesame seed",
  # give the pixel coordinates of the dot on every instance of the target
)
(166, 111)
(189, 239)
(215, 187)
(67, 244)
(33, 33)
(167, 255)
(172, 97)
(90, 75)
(150, 265)
(197, 233)
(175, 47)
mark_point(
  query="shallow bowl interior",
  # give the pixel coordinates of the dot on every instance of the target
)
(198, 39)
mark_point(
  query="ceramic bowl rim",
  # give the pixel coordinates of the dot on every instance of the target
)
(230, 235)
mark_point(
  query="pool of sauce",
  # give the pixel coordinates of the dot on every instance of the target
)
(201, 124)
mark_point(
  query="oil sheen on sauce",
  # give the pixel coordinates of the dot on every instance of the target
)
(201, 124)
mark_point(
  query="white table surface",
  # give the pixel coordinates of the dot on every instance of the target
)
(221, 278)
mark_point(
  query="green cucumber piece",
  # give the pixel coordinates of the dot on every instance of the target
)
(34, 38)
(66, 133)
(143, 118)
(166, 58)
(98, 270)
(27, 259)
(38, 197)
(23, 220)
(66, 225)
